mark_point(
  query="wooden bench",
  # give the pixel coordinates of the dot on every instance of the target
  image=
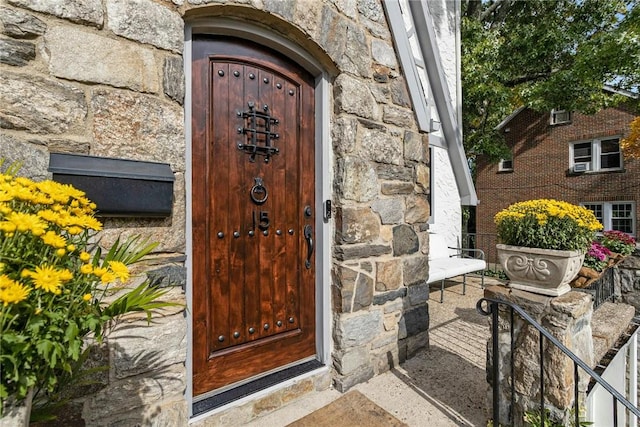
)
(446, 262)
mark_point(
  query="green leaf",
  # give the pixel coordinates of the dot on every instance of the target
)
(131, 250)
(71, 332)
(142, 298)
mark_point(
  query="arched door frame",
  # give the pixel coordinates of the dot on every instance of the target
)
(324, 160)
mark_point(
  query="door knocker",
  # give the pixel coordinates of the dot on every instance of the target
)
(258, 192)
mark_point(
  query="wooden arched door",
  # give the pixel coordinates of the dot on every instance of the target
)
(253, 212)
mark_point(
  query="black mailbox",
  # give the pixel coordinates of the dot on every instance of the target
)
(122, 188)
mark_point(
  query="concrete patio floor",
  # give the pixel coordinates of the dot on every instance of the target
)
(444, 385)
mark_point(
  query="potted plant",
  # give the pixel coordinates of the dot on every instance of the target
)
(620, 244)
(596, 260)
(542, 243)
(56, 287)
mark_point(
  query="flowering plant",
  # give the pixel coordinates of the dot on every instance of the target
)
(547, 224)
(596, 257)
(617, 241)
(53, 282)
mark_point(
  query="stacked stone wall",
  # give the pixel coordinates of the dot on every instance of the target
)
(94, 78)
(105, 78)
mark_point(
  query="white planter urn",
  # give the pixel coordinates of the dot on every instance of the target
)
(541, 271)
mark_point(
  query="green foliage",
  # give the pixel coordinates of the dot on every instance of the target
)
(547, 224)
(534, 419)
(543, 54)
(619, 242)
(55, 285)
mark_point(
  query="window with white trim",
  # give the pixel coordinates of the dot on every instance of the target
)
(596, 155)
(559, 117)
(505, 165)
(619, 216)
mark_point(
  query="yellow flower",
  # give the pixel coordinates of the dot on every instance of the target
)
(99, 271)
(54, 240)
(87, 221)
(27, 222)
(7, 227)
(74, 230)
(87, 297)
(107, 277)
(12, 292)
(85, 256)
(61, 252)
(120, 270)
(48, 278)
(86, 269)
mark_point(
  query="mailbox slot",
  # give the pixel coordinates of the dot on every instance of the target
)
(119, 188)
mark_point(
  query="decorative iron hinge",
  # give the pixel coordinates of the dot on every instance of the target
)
(258, 133)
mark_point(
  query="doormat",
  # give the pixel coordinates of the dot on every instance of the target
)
(353, 409)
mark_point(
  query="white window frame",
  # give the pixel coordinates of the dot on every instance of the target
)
(607, 219)
(595, 164)
(505, 165)
(559, 117)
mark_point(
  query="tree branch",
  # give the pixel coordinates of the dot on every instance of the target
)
(528, 78)
(495, 5)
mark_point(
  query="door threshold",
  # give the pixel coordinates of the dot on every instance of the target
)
(216, 401)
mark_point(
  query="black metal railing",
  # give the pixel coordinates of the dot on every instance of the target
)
(489, 306)
(486, 242)
(603, 289)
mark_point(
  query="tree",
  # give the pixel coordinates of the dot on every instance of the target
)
(543, 54)
(631, 144)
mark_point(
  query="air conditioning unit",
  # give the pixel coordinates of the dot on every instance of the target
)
(581, 167)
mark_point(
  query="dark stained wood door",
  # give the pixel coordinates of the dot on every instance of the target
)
(253, 216)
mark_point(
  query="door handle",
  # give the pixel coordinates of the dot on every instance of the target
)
(308, 235)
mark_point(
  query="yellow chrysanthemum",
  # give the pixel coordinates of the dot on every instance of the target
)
(27, 222)
(48, 278)
(12, 292)
(547, 223)
(84, 256)
(86, 297)
(120, 270)
(108, 277)
(61, 193)
(87, 221)
(61, 252)
(54, 240)
(86, 269)
(7, 227)
(74, 230)
(99, 271)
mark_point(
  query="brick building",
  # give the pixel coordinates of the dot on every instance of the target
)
(566, 156)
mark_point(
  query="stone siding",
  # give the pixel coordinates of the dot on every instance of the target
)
(105, 78)
(570, 318)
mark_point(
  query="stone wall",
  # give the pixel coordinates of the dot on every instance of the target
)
(570, 318)
(86, 77)
(105, 78)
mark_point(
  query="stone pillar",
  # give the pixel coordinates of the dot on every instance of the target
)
(567, 318)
